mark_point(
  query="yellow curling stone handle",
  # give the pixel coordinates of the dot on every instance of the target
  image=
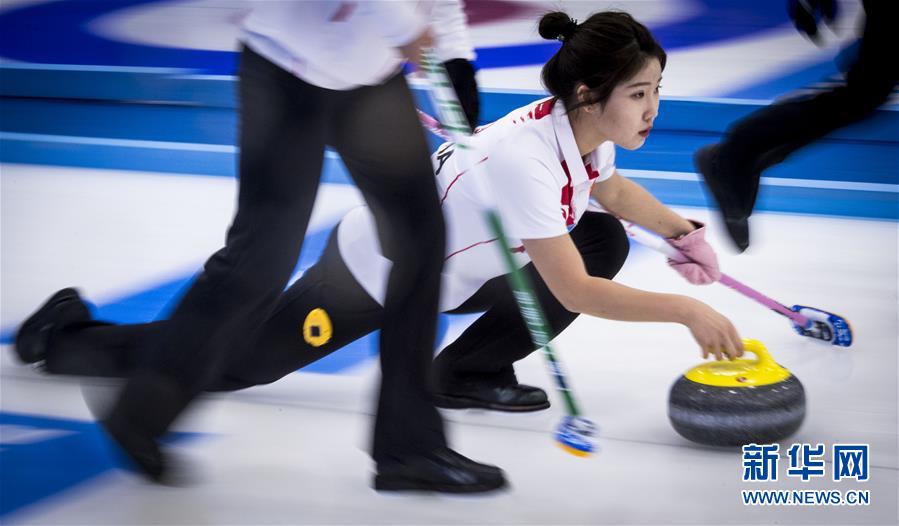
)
(741, 372)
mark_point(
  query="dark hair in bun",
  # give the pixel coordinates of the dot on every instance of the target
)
(557, 26)
(605, 50)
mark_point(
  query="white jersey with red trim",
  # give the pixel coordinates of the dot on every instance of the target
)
(342, 45)
(537, 180)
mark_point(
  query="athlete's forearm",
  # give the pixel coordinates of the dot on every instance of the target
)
(562, 269)
(607, 299)
(632, 202)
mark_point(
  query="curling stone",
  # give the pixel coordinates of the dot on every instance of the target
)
(731, 403)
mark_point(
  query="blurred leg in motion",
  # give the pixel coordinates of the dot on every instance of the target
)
(732, 168)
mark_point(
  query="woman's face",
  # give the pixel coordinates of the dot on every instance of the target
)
(627, 116)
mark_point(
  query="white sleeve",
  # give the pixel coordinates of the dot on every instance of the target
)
(398, 21)
(605, 160)
(450, 28)
(527, 193)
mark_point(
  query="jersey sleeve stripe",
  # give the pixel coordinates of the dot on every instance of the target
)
(469, 247)
(459, 175)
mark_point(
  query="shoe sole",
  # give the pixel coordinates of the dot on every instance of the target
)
(461, 402)
(147, 462)
(33, 331)
(396, 484)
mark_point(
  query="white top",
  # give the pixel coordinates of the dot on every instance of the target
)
(450, 28)
(342, 45)
(540, 185)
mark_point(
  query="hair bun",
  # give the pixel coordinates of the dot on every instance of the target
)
(557, 26)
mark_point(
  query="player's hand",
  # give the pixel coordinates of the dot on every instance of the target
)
(701, 267)
(714, 333)
(414, 50)
(807, 13)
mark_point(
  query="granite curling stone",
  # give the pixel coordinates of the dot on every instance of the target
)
(731, 403)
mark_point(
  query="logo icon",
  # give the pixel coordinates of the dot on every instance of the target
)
(850, 461)
(760, 462)
(806, 461)
(317, 328)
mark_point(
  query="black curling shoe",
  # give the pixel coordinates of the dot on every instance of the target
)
(706, 162)
(442, 470)
(143, 451)
(33, 337)
(516, 398)
(142, 414)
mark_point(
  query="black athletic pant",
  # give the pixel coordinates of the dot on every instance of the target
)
(285, 124)
(766, 137)
(484, 353)
(278, 348)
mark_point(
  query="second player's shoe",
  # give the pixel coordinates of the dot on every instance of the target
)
(736, 219)
(443, 471)
(33, 337)
(514, 398)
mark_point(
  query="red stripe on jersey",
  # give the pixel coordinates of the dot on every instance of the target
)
(446, 193)
(343, 12)
(469, 247)
(567, 196)
(541, 110)
(544, 108)
(479, 129)
(591, 173)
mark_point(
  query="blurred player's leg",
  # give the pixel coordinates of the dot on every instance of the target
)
(398, 184)
(282, 146)
(732, 169)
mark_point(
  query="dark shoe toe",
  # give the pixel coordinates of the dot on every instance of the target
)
(143, 452)
(738, 229)
(141, 415)
(510, 398)
(33, 337)
(443, 471)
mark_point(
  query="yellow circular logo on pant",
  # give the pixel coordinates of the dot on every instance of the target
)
(317, 328)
